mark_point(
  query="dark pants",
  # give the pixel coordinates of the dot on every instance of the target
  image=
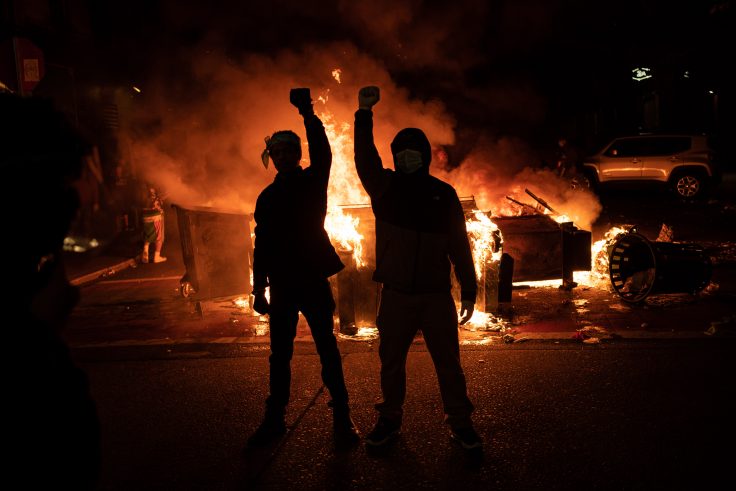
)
(314, 300)
(400, 316)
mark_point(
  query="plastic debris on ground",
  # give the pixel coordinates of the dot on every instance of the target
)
(724, 327)
(666, 234)
(365, 333)
(483, 321)
(591, 334)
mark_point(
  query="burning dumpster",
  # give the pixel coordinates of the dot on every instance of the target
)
(543, 249)
(217, 251)
(639, 268)
(356, 292)
(357, 296)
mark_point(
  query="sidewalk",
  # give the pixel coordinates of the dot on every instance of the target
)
(119, 253)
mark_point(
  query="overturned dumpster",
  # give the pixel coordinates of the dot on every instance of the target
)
(217, 251)
(639, 268)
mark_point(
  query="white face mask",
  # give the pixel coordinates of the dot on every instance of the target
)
(408, 161)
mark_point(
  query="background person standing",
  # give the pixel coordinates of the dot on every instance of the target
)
(153, 226)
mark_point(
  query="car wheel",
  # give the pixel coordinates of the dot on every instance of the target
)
(688, 186)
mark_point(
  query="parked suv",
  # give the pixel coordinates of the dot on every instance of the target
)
(683, 162)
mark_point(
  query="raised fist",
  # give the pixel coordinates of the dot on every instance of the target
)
(368, 97)
(301, 99)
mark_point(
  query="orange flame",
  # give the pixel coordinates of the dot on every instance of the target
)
(336, 74)
(344, 187)
(481, 231)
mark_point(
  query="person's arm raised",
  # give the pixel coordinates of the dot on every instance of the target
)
(367, 161)
(320, 154)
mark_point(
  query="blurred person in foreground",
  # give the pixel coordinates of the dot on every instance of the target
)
(293, 257)
(53, 428)
(420, 234)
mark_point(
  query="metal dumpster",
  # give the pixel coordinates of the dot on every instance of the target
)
(217, 250)
(639, 268)
(543, 249)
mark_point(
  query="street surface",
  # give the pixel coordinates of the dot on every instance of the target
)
(573, 390)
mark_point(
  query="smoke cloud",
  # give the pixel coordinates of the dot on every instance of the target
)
(202, 142)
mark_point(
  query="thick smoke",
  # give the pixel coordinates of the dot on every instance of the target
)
(205, 149)
(207, 110)
(506, 166)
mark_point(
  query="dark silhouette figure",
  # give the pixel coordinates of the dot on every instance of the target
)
(51, 424)
(420, 232)
(293, 256)
(566, 159)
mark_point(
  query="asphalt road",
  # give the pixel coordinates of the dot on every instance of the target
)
(554, 415)
(180, 386)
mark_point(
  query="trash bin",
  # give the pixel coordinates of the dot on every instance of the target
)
(217, 251)
(639, 268)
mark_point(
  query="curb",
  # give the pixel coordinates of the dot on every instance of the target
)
(263, 340)
(90, 277)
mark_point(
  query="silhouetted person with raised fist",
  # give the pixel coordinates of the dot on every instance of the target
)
(51, 428)
(420, 234)
(294, 258)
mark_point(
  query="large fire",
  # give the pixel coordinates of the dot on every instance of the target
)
(346, 190)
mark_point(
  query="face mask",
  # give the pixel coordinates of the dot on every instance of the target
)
(408, 161)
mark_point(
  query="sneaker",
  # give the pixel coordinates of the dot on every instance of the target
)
(144, 258)
(267, 433)
(158, 259)
(467, 437)
(384, 431)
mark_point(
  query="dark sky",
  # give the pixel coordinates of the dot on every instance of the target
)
(464, 52)
(489, 81)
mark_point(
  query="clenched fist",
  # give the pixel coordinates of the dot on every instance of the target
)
(368, 97)
(301, 98)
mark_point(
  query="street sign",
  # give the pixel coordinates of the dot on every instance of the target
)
(29, 64)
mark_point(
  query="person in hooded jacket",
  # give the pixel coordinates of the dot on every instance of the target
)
(293, 257)
(420, 234)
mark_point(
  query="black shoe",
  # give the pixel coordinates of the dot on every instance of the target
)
(346, 433)
(467, 437)
(270, 431)
(384, 431)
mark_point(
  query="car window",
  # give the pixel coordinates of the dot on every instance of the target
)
(630, 147)
(670, 145)
(649, 146)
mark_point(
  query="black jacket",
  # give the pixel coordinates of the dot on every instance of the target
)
(420, 225)
(291, 244)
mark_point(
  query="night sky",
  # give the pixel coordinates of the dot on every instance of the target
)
(493, 83)
(465, 52)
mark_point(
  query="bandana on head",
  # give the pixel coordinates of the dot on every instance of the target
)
(278, 137)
